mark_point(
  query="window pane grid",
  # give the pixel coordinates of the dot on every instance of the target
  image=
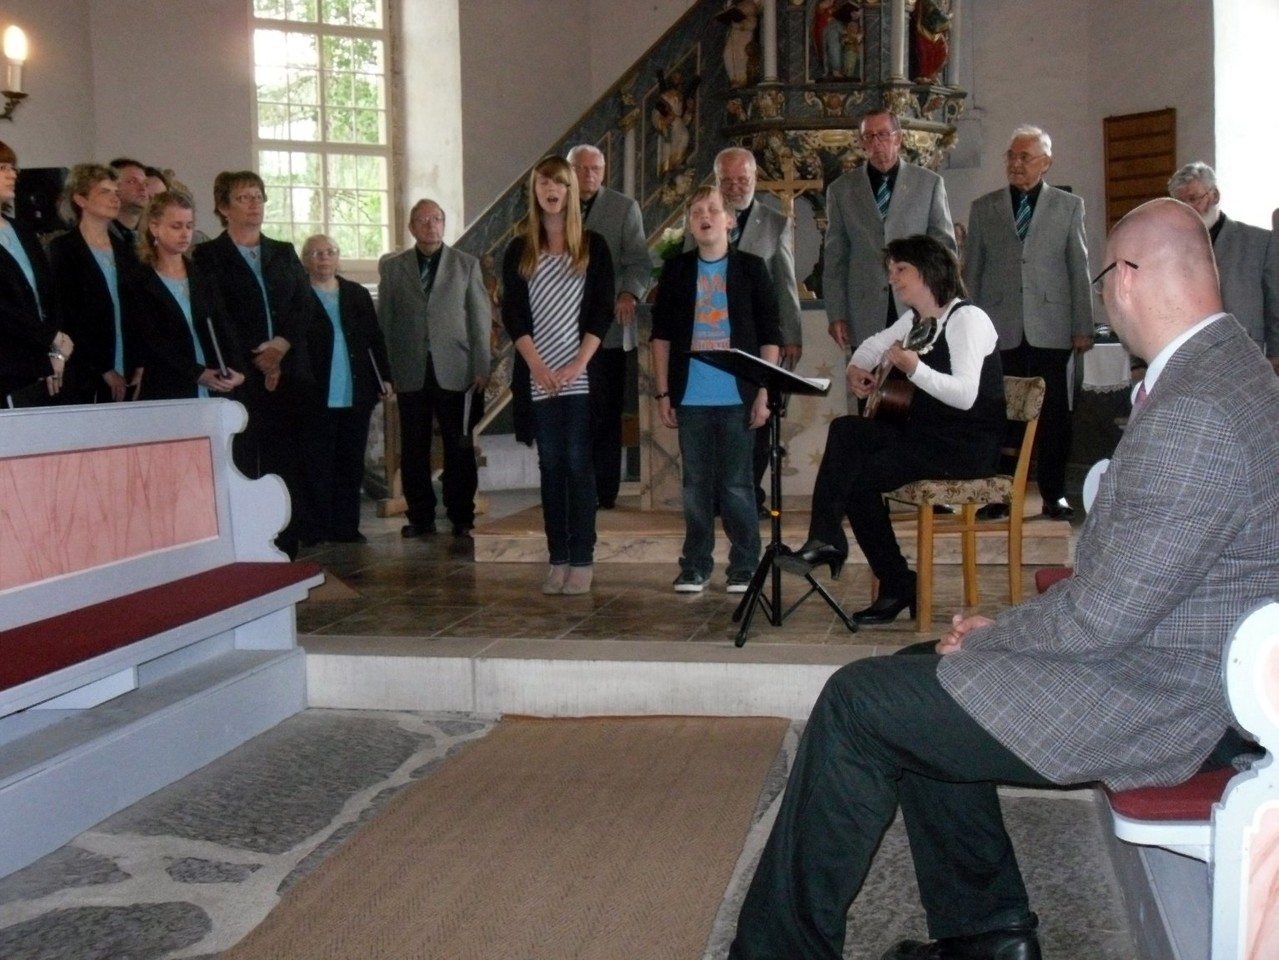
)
(322, 124)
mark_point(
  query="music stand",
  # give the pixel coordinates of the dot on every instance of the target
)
(780, 383)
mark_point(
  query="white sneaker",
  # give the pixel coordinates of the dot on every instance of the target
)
(738, 585)
(689, 582)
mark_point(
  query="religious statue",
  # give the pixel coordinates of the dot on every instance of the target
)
(671, 117)
(837, 38)
(932, 39)
(741, 52)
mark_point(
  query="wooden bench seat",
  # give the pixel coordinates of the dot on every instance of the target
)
(147, 621)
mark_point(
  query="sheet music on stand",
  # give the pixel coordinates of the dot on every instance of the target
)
(758, 371)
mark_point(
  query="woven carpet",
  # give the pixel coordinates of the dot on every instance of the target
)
(586, 839)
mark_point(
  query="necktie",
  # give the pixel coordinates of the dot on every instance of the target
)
(1140, 399)
(1023, 216)
(425, 273)
(736, 233)
(882, 196)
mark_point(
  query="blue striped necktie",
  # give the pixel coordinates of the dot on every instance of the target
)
(1023, 216)
(425, 273)
(882, 197)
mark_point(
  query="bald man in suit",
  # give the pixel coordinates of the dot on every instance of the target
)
(1113, 675)
(886, 199)
(1026, 264)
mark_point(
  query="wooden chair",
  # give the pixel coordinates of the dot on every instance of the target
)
(1024, 397)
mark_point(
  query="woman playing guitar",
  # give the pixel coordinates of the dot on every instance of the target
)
(953, 429)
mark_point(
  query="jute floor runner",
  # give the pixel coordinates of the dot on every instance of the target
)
(590, 839)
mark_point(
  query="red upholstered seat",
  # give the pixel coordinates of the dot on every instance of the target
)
(1191, 800)
(1046, 577)
(40, 648)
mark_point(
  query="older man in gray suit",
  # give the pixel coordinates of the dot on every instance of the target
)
(615, 217)
(1247, 257)
(436, 317)
(886, 200)
(766, 233)
(1026, 264)
(1112, 675)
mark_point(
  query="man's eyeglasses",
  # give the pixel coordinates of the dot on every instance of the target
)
(249, 198)
(315, 252)
(424, 221)
(1023, 158)
(1096, 281)
(736, 181)
(880, 137)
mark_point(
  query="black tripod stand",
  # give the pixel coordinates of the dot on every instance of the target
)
(765, 591)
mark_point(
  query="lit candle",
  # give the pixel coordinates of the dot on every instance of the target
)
(15, 51)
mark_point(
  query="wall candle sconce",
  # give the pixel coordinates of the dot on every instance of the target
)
(15, 53)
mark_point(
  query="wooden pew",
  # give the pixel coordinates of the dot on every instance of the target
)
(146, 619)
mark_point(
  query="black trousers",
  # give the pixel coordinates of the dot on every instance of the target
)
(334, 449)
(607, 374)
(885, 733)
(1052, 437)
(418, 410)
(271, 442)
(867, 458)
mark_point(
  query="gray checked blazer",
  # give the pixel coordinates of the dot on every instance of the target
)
(616, 217)
(1248, 264)
(1116, 673)
(767, 235)
(1037, 289)
(854, 281)
(457, 320)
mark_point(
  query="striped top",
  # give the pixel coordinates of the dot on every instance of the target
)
(555, 301)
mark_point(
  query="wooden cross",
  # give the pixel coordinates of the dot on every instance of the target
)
(788, 188)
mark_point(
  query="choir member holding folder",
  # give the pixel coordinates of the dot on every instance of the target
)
(348, 357)
(188, 349)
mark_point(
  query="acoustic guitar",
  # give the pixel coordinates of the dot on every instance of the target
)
(893, 393)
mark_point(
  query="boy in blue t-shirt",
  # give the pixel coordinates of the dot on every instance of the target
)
(712, 298)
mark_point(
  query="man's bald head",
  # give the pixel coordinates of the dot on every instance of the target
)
(1164, 275)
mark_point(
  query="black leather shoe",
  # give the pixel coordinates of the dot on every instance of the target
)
(1018, 942)
(811, 555)
(462, 529)
(885, 610)
(1058, 509)
(411, 531)
(993, 511)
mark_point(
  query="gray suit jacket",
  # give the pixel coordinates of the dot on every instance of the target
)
(1037, 288)
(616, 217)
(1116, 673)
(1248, 264)
(455, 323)
(854, 280)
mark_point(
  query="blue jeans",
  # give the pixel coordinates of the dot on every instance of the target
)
(716, 447)
(564, 456)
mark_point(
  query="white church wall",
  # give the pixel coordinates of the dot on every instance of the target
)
(173, 87)
(530, 68)
(54, 127)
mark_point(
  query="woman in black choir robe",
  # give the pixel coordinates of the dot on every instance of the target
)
(33, 351)
(173, 303)
(349, 366)
(91, 265)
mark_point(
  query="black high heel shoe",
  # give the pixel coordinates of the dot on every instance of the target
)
(885, 610)
(813, 554)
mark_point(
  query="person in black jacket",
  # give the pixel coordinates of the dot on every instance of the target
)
(557, 308)
(714, 297)
(268, 297)
(91, 266)
(350, 367)
(176, 313)
(33, 351)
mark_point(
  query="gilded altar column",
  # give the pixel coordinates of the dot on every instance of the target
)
(628, 117)
(770, 41)
(899, 34)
